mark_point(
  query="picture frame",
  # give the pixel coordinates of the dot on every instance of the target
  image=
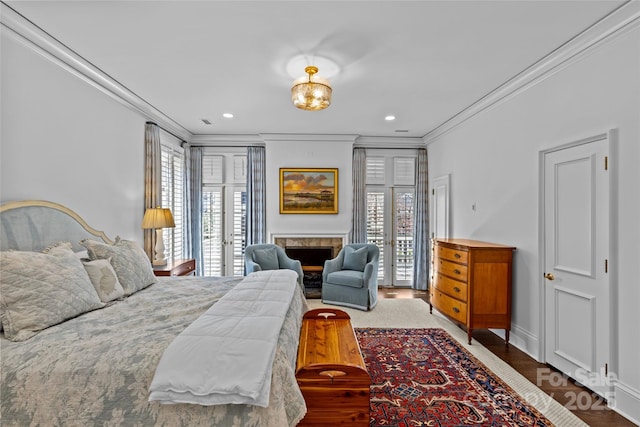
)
(308, 190)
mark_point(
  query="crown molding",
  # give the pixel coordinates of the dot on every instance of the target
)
(34, 38)
(231, 140)
(307, 137)
(389, 142)
(619, 22)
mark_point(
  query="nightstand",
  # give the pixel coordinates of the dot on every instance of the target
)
(176, 267)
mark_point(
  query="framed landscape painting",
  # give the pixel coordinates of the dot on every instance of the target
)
(308, 191)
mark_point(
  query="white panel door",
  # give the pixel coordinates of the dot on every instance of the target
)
(576, 234)
(440, 207)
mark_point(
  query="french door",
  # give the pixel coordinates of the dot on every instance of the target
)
(390, 214)
(224, 210)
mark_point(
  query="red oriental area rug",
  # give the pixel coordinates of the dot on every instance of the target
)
(423, 377)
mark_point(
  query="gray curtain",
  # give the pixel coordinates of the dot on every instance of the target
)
(193, 204)
(152, 179)
(359, 177)
(421, 225)
(256, 226)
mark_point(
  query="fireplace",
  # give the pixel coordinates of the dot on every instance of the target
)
(310, 256)
(312, 251)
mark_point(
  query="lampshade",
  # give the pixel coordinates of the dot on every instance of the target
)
(158, 218)
(312, 92)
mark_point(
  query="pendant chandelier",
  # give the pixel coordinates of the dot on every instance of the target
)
(312, 93)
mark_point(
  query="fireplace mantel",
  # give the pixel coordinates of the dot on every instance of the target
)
(334, 240)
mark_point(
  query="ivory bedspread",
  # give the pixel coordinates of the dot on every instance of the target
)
(226, 355)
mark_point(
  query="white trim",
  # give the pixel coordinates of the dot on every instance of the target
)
(48, 47)
(522, 339)
(612, 26)
(387, 142)
(627, 401)
(304, 137)
(328, 235)
(226, 140)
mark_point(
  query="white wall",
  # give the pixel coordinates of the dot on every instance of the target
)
(64, 141)
(493, 162)
(309, 152)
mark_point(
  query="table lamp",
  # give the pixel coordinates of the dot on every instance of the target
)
(158, 218)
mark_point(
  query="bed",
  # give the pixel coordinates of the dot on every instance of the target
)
(96, 367)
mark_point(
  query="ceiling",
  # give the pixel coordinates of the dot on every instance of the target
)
(422, 61)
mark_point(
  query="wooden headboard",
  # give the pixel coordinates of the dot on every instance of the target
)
(33, 225)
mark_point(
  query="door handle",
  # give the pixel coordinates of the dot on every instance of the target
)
(549, 276)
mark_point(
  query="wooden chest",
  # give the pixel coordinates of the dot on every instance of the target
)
(331, 372)
(471, 283)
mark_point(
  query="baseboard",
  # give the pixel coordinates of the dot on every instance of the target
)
(522, 339)
(627, 401)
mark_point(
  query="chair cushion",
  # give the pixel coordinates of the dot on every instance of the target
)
(267, 258)
(355, 259)
(346, 278)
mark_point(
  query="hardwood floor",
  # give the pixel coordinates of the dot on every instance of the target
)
(586, 405)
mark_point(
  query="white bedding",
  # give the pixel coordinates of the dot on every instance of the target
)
(226, 355)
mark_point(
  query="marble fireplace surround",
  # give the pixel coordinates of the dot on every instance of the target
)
(334, 240)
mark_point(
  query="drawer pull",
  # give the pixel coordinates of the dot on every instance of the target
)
(457, 271)
(456, 255)
(455, 309)
(457, 289)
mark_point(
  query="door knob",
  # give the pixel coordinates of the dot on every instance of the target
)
(549, 276)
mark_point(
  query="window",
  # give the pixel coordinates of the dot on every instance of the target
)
(173, 197)
(390, 212)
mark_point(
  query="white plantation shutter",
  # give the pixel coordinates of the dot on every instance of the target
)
(375, 170)
(212, 231)
(172, 197)
(240, 169)
(239, 224)
(375, 224)
(212, 169)
(404, 171)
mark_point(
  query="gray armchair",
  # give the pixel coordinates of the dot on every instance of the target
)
(351, 279)
(270, 257)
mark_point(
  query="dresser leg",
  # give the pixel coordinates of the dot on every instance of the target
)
(506, 337)
(469, 335)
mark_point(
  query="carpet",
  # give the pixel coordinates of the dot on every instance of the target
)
(414, 313)
(423, 377)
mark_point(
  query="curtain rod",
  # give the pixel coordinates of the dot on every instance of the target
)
(182, 141)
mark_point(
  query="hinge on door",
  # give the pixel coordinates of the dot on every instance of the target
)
(606, 163)
(606, 369)
(606, 265)
(433, 191)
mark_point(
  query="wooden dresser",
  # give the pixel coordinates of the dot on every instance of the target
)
(471, 283)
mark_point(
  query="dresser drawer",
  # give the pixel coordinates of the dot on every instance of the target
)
(451, 287)
(449, 306)
(451, 269)
(452, 254)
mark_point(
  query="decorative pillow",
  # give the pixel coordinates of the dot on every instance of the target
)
(104, 279)
(39, 290)
(129, 261)
(355, 259)
(267, 258)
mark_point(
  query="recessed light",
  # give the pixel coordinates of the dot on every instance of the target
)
(390, 118)
(227, 115)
